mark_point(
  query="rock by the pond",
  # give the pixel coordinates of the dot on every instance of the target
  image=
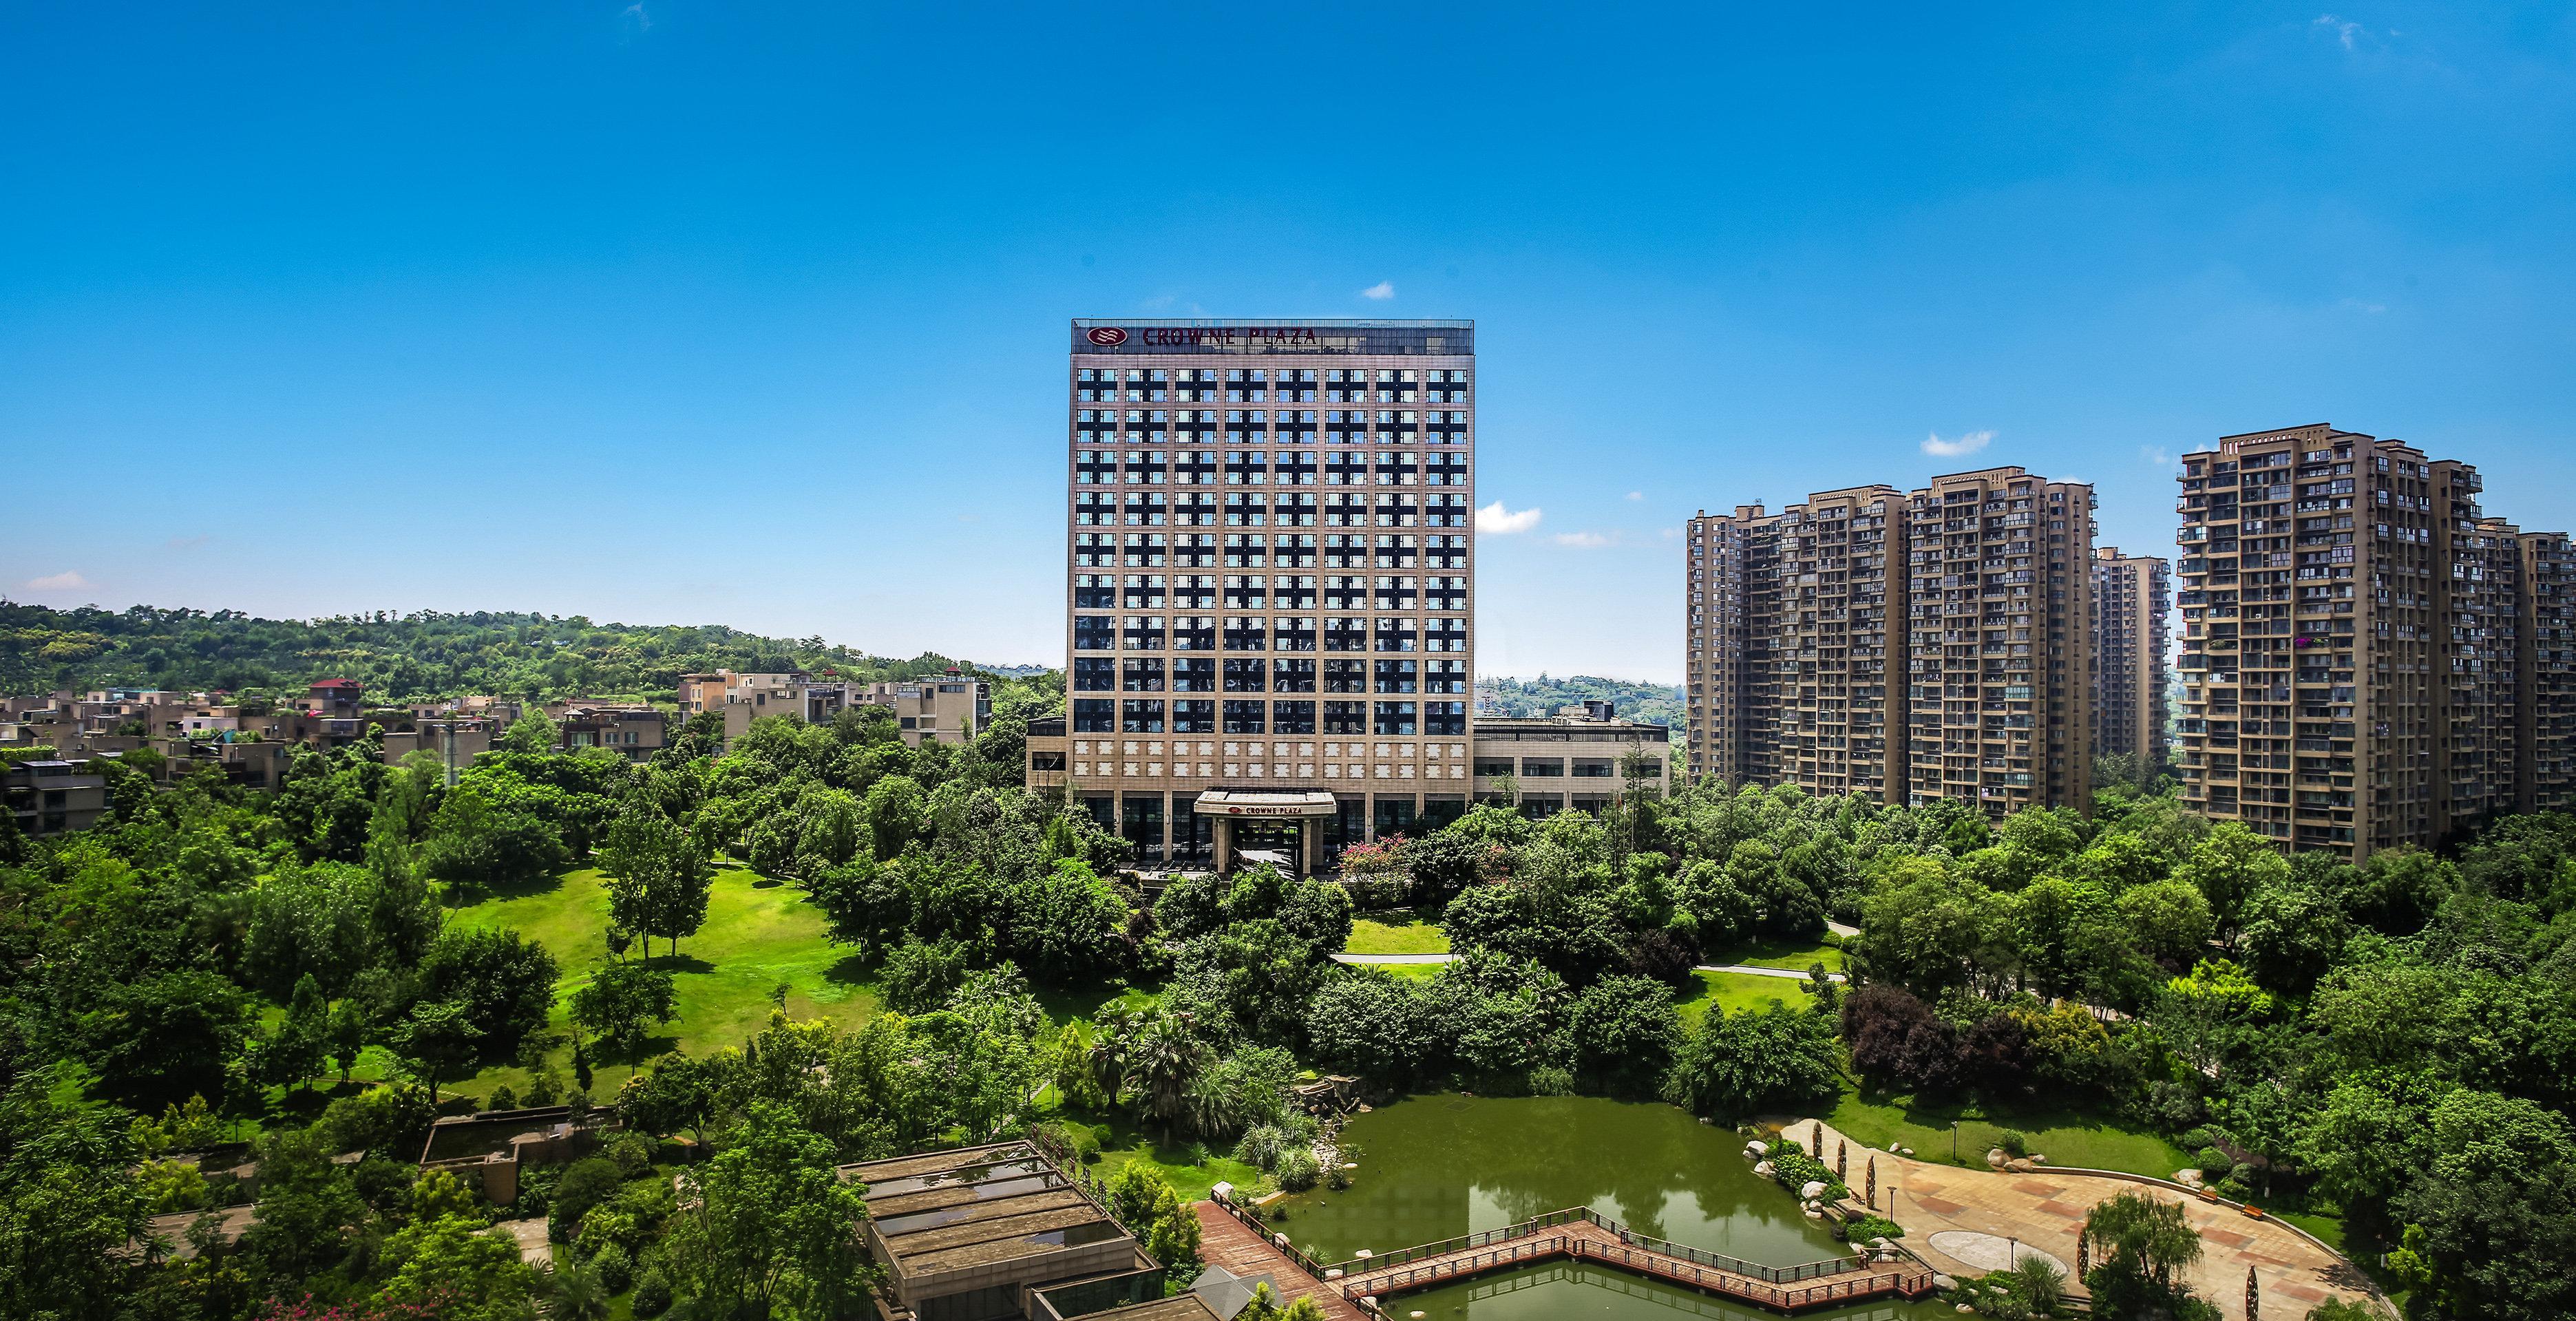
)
(2187, 1178)
(1963, 1307)
(1364, 1254)
(1763, 1169)
(2018, 1166)
(1906, 1152)
(1995, 1157)
(1814, 1189)
(1221, 1191)
(1944, 1282)
(1814, 1214)
(1891, 1146)
(2037, 1159)
(1758, 1148)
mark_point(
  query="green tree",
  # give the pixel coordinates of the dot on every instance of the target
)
(455, 1267)
(768, 1228)
(2142, 1244)
(475, 843)
(1772, 1058)
(437, 1040)
(165, 1036)
(622, 1003)
(68, 1200)
(659, 876)
(897, 813)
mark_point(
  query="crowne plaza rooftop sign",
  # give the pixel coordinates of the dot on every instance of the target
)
(1445, 338)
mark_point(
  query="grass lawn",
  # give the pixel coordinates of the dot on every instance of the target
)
(2066, 1137)
(1794, 955)
(1403, 934)
(1189, 1166)
(1420, 972)
(759, 935)
(1737, 992)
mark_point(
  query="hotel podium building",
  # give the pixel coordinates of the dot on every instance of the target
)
(2368, 659)
(1270, 578)
(1902, 646)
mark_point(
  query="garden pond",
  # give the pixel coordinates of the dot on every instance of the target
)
(1440, 1166)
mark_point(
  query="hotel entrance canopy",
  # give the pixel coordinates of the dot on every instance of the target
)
(1304, 808)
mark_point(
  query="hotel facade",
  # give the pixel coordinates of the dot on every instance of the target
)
(1270, 579)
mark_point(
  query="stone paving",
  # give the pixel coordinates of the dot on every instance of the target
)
(2046, 1208)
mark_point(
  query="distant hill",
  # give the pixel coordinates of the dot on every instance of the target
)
(398, 657)
(1654, 703)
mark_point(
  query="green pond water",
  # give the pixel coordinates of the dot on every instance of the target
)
(1436, 1167)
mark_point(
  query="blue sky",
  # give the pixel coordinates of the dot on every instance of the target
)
(754, 314)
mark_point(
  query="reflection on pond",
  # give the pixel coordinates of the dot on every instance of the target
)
(1548, 1292)
(1435, 1167)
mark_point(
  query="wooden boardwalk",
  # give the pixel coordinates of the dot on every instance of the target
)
(1228, 1242)
(1582, 1240)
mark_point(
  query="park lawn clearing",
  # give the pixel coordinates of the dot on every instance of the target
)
(1794, 955)
(1190, 1167)
(1409, 936)
(2069, 1138)
(1740, 992)
(759, 935)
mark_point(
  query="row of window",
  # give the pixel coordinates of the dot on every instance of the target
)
(1293, 592)
(1103, 715)
(1201, 633)
(1290, 375)
(1149, 674)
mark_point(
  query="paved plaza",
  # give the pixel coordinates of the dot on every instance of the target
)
(2046, 1208)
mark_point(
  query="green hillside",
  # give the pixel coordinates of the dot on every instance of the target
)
(426, 654)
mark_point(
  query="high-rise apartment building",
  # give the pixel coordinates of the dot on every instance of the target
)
(1902, 646)
(2368, 660)
(2131, 594)
(2000, 627)
(1270, 576)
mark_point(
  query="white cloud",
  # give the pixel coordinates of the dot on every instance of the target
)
(2157, 455)
(2343, 31)
(1636, 495)
(1380, 291)
(69, 580)
(1582, 540)
(635, 14)
(1951, 449)
(1494, 520)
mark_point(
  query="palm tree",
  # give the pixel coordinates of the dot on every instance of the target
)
(574, 1294)
(1162, 1061)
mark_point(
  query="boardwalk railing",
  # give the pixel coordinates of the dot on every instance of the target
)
(1698, 1256)
(1910, 1281)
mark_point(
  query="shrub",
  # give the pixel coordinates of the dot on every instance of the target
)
(1549, 1080)
(1298, 1169)
(1862, 1229)
(616, 1269)
(1261, 1147)
(2013, 1141)
(585, 1183)
(652, 1293)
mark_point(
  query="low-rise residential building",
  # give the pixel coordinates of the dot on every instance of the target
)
(947, 709)
(742, 698)
(456, 743)
(50, 797)
(631, 729)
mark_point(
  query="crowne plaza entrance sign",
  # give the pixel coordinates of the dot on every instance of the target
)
(1151, 338)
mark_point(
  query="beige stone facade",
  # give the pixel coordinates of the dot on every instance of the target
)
(1904, 647)
(2368, 660)
(2132, 595)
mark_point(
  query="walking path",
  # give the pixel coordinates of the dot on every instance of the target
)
(2045, 1208)
(1745, 968)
